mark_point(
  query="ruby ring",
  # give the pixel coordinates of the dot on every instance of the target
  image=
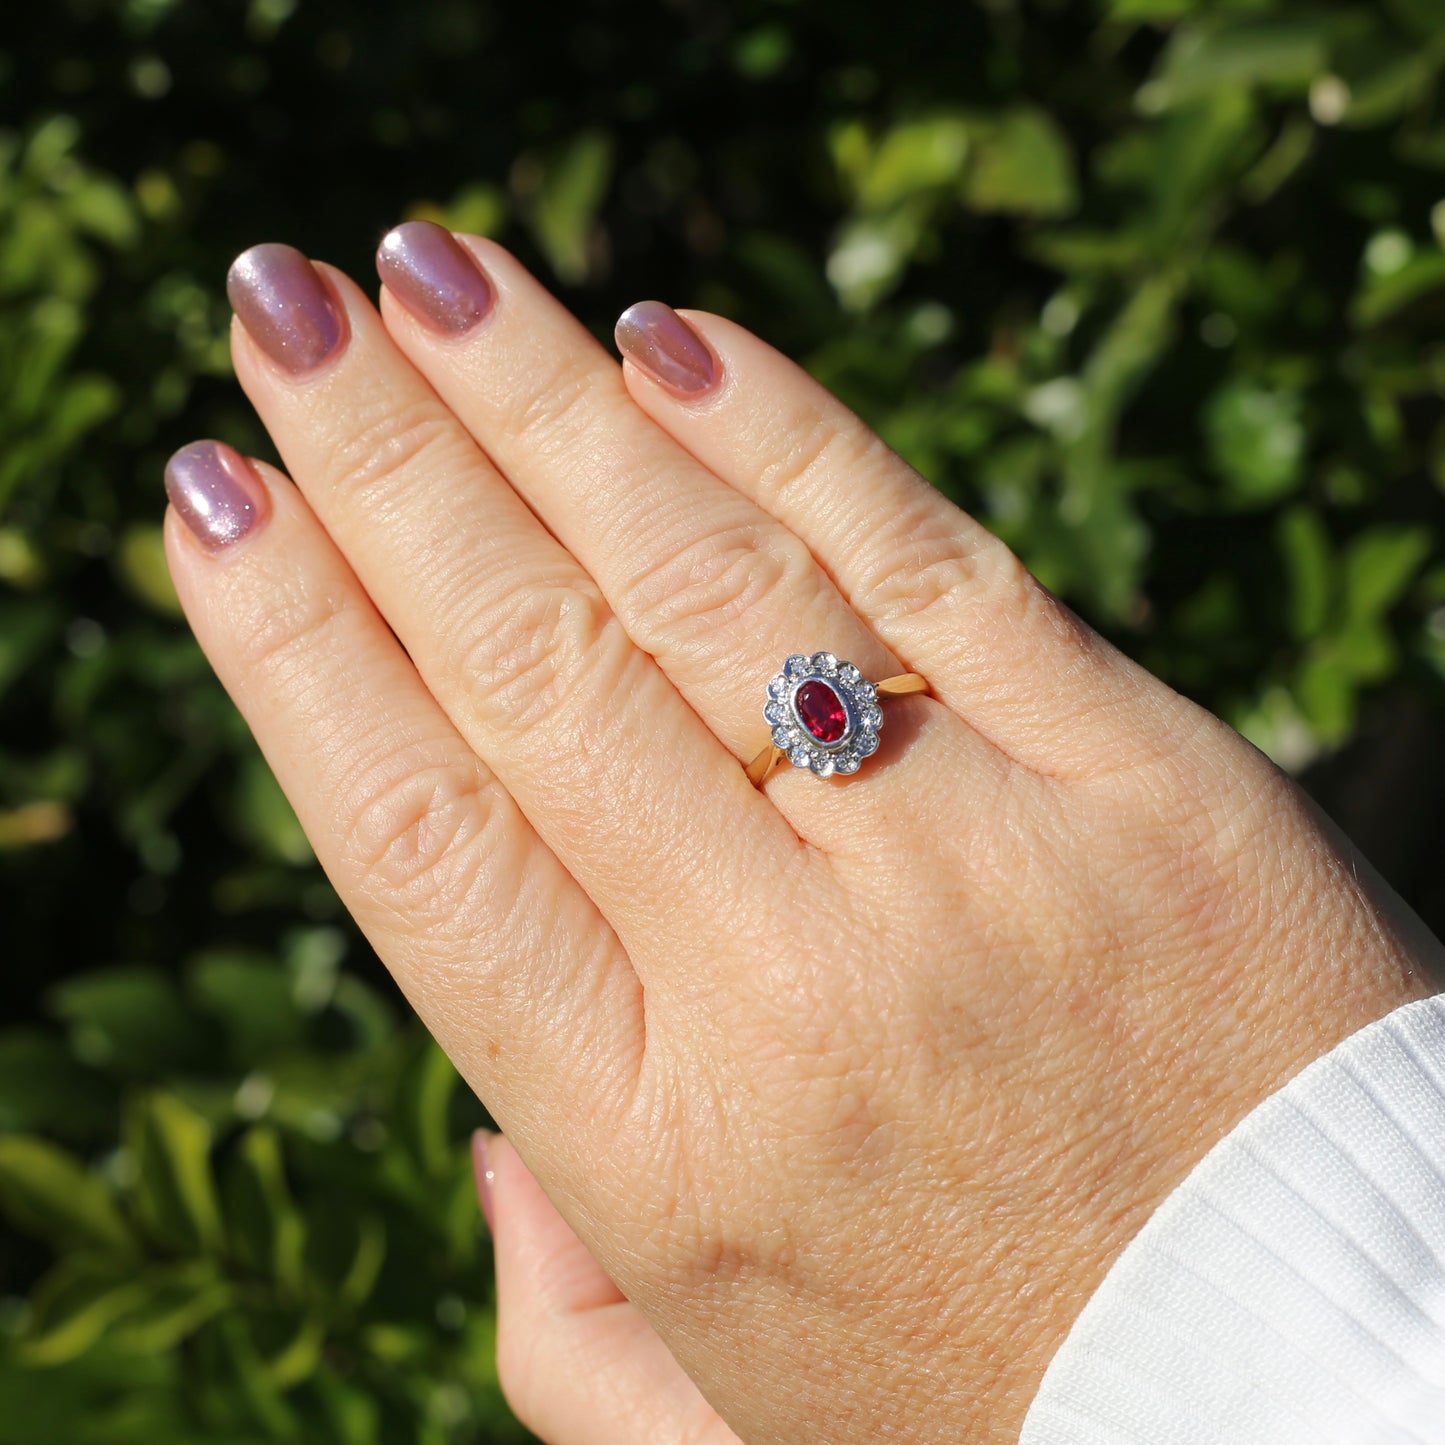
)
(825, 716)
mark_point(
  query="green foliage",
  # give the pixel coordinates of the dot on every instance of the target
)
(268, 1232)
(1152, 286)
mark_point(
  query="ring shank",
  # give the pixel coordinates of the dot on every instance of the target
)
(773, 757)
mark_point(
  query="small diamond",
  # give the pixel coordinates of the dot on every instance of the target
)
(847, 763)
(822, 765)
(800, 755)
(867, 744)
(784, 738)
(778, 686)
(775, 712)
(849, 673)
(797, 666)
(871, 715)
(824, 662)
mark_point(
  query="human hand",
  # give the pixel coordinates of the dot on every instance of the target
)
(853, 1087)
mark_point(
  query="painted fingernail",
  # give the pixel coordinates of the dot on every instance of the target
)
(434, 276)
(286, 306)
(482, 1173)
(216, 491)
(654, 337)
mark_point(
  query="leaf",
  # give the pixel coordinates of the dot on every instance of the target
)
(265, 818)
(910, 158)
(180, 1301)
(1305, 545)
(175, 1191)
(1256, 440)
(253, 999)
(263, 1222)
(73, 1305)
(140, 562)
(425, 1092)
(1387, 297)
(44, 1090)
(48, 1193)
(127, 1019)
(1379, 565)
(1282, 55)
(563, 207)
(1022, 165)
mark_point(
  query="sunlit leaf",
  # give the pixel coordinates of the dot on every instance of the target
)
(47, 1192)
(1021, 164)
(175, 1191)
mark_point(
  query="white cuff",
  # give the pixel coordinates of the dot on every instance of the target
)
(1291, 1291)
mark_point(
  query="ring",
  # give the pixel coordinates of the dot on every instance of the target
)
(825, 716)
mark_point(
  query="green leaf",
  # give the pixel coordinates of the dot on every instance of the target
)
(265, 818)
(74, 1305)
(1379, 565)
(424, 1101)
(1305, 545)
(1256, 440)
(567, 197)
(175, 1192)
(127, 1019)
(43, 1090)
(1021, 164)
(910, 158)
(254, 1000)
(1282, 55)
(180, 1301)
(140, 562)
(263, 1222)
(50, 1194)
(1388, 297)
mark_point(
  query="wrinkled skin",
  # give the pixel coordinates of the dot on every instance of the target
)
(827, 1104)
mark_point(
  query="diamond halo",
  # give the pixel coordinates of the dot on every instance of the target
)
(863, 717)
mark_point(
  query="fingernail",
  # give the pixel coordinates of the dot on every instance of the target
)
(216, 491)
(654, 337)
(435, 277)
(483, 1174)
(286, 307)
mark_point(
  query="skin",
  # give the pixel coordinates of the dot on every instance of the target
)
(826, 1101)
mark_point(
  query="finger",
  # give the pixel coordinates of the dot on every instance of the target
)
(425, 847)
(616, 773)
(709, 584)
(578, 1364)
(946, 595)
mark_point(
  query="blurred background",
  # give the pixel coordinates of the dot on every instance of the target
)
(1154, 287)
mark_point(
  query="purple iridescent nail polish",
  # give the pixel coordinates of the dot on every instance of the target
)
(286, 307)
(218, 495)
(434, 277)
(655, 338)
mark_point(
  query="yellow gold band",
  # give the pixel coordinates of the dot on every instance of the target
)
(773, 757)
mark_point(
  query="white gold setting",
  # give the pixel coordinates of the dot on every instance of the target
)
(859, 738)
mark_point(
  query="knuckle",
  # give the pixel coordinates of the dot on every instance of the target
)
(288, 629)
(925, 568)
(414, 436)
(528, 653)
(715, 580)
(819, 451)
(419, 837)
(549, 411)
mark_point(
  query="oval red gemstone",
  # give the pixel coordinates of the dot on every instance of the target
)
(821, 711)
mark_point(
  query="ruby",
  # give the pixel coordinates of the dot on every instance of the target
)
(821, 711)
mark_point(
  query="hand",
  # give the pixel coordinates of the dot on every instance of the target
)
(852, 1087)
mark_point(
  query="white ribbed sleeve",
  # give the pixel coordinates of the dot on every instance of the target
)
(1291, 1291)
